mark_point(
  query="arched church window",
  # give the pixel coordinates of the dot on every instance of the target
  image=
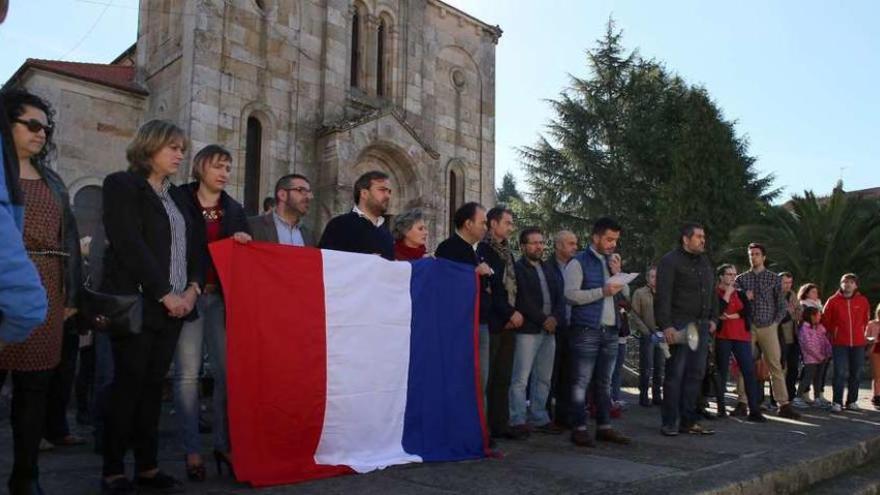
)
(454, 200)
(252, 159)
(380, 58)
(355, 46)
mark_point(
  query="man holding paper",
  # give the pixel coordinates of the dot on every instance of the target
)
(685, 296)
(594, 327)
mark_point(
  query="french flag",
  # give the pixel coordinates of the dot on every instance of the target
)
(340, 362)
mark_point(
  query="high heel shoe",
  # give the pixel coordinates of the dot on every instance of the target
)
(220, 458)
(195, 472)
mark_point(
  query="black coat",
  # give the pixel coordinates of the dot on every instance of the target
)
(457, 249)
(139, 236)
(530, 298)
(685, 289)
(234, 219)
(500, 309)
(352, 233)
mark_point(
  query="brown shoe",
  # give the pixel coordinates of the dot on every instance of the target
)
(613, 436)
(582, 438)
(741, 410)
(550, 428)
(696, 429)
(787, 411)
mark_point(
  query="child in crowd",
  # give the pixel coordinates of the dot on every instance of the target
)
(816, 351)
(872, 331)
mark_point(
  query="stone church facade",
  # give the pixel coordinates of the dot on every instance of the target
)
(325, 88)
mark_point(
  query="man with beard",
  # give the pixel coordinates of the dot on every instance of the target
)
(283, 224)
(685, 295)
(364, 229)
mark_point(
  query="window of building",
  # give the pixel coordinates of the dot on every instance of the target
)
(453, 199)
(355, 47)
(252, 164)
(380, 58)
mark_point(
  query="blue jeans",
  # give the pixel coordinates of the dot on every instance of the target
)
(616, 377)
(533, 357)
(742, 351)
(593, 354)
(684, 377)
(103, 380)
(847, 368)
(651, 363)
(209, 328)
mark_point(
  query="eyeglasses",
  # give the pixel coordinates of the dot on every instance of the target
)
(35, 126)
(301, 190)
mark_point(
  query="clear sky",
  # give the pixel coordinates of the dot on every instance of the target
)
(800, 78)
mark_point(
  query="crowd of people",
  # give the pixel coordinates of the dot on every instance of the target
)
(553, 328)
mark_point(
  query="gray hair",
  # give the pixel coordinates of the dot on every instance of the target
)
(405, 221)
(561, 235)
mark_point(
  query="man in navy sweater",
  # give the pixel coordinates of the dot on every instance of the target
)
(364, 229)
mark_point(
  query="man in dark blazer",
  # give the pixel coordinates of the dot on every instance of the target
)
(539, 299)
(464, 247)
(365, 228)
(284, 225)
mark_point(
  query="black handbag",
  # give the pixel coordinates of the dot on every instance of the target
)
(117, 315)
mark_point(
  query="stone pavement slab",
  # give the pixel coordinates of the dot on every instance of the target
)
(781, 456)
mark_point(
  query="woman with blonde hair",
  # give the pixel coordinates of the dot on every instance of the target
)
(155, 251)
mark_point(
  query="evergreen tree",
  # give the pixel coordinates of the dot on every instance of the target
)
(508, 191)
(638, 143)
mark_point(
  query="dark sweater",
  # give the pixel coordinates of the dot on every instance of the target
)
(530, 298)
(355, 234)
(457, 249)
(685, 289)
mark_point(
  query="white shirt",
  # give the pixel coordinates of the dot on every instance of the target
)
(377, 223)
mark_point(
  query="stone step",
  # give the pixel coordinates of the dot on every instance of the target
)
(862, 480)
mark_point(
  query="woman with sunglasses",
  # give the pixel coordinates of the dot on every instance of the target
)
(156, 240)
(223, 217)
(52, 243)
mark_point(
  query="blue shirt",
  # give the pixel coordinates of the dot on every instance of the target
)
(23, 301)
(289, 235)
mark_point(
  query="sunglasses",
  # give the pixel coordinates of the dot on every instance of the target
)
(36, 126)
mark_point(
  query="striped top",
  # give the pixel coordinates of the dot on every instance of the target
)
(177, 272)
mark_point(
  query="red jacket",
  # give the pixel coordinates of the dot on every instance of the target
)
(846, 319)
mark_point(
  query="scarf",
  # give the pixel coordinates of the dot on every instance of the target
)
(502, 248)
(402, 252)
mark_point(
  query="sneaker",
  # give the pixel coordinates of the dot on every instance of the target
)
(161, 482)
(799, 403)
(613, 436)
(46, 445)
(836, 408)
(787, 411)
(853, 406)
(582, 438)
(821, 402)
(741, 410)
(669, 431)
(756, 418)
(696, 429)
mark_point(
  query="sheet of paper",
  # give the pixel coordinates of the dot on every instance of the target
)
(622, 278)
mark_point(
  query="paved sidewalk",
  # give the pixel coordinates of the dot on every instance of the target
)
(781, 456)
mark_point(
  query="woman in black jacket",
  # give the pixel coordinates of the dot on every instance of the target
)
(223, 217)
(156, 249)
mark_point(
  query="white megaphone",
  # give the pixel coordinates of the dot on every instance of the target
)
(689, 335)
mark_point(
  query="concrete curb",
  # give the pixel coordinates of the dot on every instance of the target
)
(800, 476)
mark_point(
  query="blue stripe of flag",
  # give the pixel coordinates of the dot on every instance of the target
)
(442, 420)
